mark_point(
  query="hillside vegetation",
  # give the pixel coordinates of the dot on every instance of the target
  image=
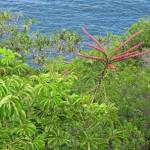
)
(51, 107)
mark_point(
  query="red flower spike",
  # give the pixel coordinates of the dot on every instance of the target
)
(114, 57)
(91, 37)
(125, 55)
(91, 57)
(97, 48)
(134, 55)
(130, 38)
(123, 44)
(132, 49)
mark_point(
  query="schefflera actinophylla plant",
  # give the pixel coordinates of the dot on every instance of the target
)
(109, 59)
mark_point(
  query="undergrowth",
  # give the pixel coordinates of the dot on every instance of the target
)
(51, 108)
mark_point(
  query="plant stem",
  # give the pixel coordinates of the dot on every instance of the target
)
(46, 144)
(102, 75)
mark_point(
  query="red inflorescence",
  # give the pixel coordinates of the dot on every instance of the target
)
(114, 57)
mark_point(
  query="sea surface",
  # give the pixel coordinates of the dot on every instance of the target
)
(99, 16)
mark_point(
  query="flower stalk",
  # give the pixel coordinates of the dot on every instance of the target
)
(116, 56)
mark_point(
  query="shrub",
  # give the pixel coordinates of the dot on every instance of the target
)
(12, 63)
(51, 108)
(41, 111)
(144, 26)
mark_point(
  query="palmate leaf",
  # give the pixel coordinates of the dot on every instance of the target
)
(27, 92)
(38, 143)
(24, 92)
(14, 82)
(17, 144)
(17, 86)
(57, 138)
(11, 63)
(5, 100)
(43, 84)
(34, 78)
(26, 129)
(51, 101)
(11, 106)
(8, 57)
(21, 68)
(15, 94)
(3, 88)
(19, 138)
(42, 89)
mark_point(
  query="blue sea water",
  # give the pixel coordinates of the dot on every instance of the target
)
(99, 16)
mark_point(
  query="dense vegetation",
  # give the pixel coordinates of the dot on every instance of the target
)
(51, 108)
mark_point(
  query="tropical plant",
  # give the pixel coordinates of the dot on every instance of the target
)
(51, 108)
(12, 63)
(109, 59)
(15, 34)
(40, 111)
(144, 26)
(65, 40)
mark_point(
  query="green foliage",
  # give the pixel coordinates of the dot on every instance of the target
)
(43, 111)
(65, 41)
(15, 34)
(131, 94)
(40, 45)
(144, 26)
(11, 63)
(3, 27)
(128, 88)
(16, 41)
(51, 108)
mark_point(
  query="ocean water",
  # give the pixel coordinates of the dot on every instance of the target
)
(99, 16)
